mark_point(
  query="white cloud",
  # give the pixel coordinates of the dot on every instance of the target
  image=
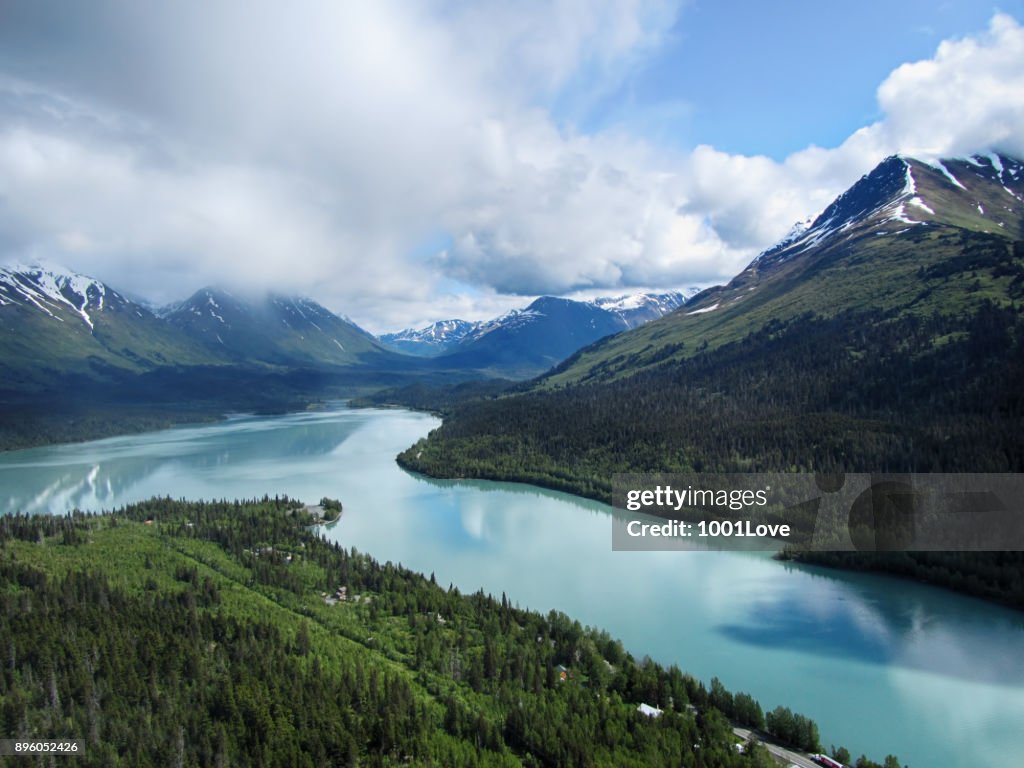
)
(318, 149)
(313, 149)
(969, 96)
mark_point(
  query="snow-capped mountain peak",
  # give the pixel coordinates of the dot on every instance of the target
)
(430, 340)
(54, 290)
(639, 308)
(512, 319)
(890, 182)
(904, 192)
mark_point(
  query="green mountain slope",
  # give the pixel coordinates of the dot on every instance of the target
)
(274, 330)
(905, 238)
(56, 325)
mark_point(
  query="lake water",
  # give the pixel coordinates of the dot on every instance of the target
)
(882, 665)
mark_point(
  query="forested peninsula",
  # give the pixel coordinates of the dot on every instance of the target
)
(227, 633)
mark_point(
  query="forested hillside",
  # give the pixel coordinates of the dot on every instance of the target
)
(174, 633)
(855, 392)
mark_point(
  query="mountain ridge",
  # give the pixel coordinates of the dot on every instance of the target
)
(446, 336)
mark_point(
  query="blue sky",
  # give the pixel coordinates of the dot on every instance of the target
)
(772, 78)
(405, 161)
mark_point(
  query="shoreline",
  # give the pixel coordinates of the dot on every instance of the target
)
(175, 419)
(407, 461)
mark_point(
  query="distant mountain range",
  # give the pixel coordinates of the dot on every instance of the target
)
(78, 359)
(639, 308)
(67, 340)
(912, 245)
(526, 342)
(434, 339)
(59, 323)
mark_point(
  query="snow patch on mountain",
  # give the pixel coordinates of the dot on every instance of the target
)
(910, 186)
(514, 318)
(612, 303)
(900, 214)
(921, 204)
(214, 306)
(704, 310)
(797, 231)
(937, 165)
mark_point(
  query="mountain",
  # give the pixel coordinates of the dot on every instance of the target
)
(58, 323)
(435, 339)
(525, 342)
(878, 246)
(274, 330)
(885, 336)
(528, 341)
(640, 308)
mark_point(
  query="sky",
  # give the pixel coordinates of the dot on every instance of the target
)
(406, 161)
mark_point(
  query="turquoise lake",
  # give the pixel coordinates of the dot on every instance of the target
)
(883, 666)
